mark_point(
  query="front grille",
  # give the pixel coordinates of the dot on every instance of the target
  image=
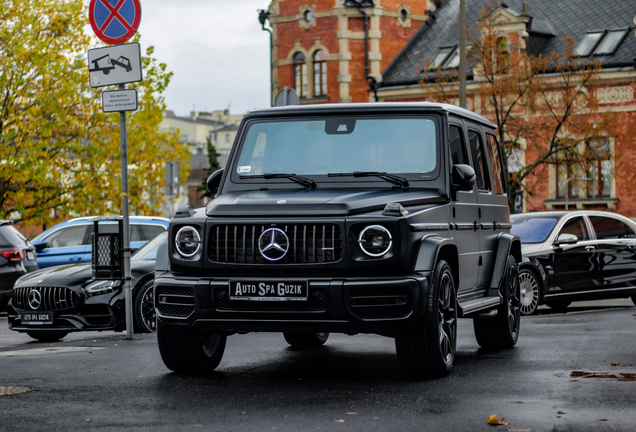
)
(380, 303)
(316, 302)
(175, 300)
(308, 243)
(46, 299)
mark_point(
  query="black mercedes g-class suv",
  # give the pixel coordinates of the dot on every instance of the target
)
(385, 218)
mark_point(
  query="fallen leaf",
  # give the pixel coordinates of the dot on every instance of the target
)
(615, 364)
(492, 420)
(352, 413)
(339, 421)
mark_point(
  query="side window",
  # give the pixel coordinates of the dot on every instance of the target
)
(151, 231)
(610, 228)
(69, 236)
(498, 175)
(577, 227)
(479, 160)
(136, 233)
(457, 148)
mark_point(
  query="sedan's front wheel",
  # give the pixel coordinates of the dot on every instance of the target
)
(47, 336)
(144, 309)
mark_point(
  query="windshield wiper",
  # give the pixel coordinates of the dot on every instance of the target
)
(401, 181)
(298, 179)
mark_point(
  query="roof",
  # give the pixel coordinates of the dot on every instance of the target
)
(551, 21)
(228, 128)
(370, 108)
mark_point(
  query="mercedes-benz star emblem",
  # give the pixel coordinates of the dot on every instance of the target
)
(35, 299)
(273, 244)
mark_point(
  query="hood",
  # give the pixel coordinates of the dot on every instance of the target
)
(67, 276)
(317, 202)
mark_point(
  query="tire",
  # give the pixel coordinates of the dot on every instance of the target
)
(502, 331)
(428, 349)
(306, 340)
(189, 351)
(144, 316)
(559, 306)
(46, 336)
(530, 292)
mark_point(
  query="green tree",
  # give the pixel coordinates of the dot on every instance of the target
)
(213, 160)
(59, 152)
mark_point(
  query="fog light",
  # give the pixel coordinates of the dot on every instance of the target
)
(375, 240)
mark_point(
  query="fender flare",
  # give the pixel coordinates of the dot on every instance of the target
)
(433, 248)
(507, 244)
(162, 262)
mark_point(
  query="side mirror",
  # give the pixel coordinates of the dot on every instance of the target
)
(566, 238)
(40, 245)
(463, 177)
(213, 182)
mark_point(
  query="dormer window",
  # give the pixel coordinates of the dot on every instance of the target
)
(453, 60)
(589, 42)
(442, 55)
(610, 42)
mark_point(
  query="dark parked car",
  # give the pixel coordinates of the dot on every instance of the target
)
(17, 258)
(385, 218)
(70, 242)
(576, 255)
(52, 302)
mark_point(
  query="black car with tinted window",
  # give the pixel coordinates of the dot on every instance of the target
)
(386, 218)
(17, 258)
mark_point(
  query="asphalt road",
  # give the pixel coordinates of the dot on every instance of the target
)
(569, 372)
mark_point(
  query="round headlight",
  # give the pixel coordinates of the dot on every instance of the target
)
(187, 241)
(375, 240)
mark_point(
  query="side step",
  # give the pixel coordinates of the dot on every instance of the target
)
(474, 306)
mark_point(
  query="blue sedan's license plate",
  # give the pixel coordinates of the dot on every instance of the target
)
(37, 318)
(271, 290)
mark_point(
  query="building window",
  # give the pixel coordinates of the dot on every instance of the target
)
(503, 56)
(320, 73)
(404, 14)
(309, 15)
(610, 42)
(599, 169)
(564, 172)
(442, 55)
(300, 74)
(589, 42)
(227, 137)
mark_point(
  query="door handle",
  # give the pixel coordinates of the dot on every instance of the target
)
(590, 248)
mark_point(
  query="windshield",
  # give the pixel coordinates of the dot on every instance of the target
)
(149, 250)
(533, 230)
(307, 147)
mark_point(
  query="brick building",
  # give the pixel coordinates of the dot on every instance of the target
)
(318, 48)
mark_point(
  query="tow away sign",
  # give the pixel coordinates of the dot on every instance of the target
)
(119, 100)
(118, 64)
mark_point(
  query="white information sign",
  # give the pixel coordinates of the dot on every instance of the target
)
(117, 64)
(119, 100)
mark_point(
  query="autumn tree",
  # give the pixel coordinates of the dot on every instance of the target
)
(214, 164)
(59, 152)
(544, 106)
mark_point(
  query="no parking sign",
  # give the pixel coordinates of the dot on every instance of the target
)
(114, 21)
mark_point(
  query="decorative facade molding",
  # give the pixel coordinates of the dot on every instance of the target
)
(615, 94)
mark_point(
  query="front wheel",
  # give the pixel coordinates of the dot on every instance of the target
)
(46, 336)
(530, 293)
(187, 350)
(306, 340)
(428, 349)
(144, 309)
(502, 331)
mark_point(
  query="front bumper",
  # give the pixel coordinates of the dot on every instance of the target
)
(384, 306)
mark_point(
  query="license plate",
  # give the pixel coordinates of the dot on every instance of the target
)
(271, 290)
(37, 318)
(30, 256)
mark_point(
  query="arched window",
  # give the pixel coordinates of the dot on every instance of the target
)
(320, 73)
(300, 74)
(503, 55)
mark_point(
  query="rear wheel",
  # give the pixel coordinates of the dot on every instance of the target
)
(502, 331)
(529, 292)
(46, 336)
(428, 349)
(559, 306)
(186, 350)
(144, 309)
(306, 340)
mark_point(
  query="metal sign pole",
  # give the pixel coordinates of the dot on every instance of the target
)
(124, 209)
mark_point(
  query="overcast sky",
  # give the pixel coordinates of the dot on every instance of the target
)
(216, 48)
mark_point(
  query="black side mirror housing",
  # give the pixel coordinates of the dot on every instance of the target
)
(213, 182)
(463, 177)
(41, 245)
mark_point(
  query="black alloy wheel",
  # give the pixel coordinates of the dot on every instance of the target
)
(189, 351)
(144, 316)
(428, 350)
(502, 331)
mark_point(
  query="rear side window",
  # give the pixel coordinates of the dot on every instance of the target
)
(610, 228)
(68, 236)
(9, 236)
(498, 175)
(479, 160)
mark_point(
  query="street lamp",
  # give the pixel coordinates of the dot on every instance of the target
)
(567, 189)
(263, 16)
